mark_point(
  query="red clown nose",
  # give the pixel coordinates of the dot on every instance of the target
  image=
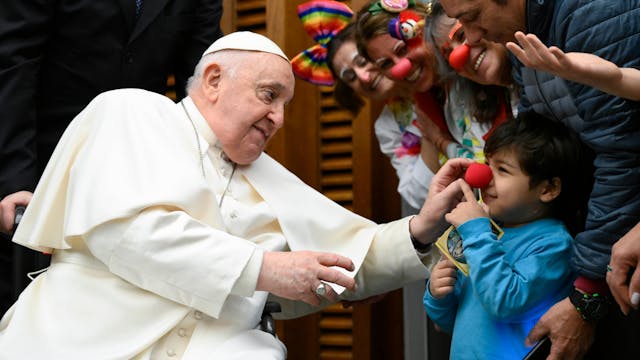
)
(400, 70)
(459, 57)
(478, 175)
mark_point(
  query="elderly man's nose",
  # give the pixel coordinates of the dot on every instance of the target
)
(277, 117)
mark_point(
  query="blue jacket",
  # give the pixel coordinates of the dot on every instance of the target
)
(609, 125)
(511, 283)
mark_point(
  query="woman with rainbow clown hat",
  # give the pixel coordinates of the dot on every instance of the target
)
(334, 60)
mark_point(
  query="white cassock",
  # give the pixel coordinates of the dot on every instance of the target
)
(147, 264)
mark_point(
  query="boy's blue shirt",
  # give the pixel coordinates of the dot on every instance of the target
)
(511, 283)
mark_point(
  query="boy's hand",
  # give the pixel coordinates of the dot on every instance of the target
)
(443, 278)
(467, 210)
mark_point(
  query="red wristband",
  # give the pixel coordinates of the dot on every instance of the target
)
(592, 286)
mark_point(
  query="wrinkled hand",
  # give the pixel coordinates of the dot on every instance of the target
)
(570, 336)
(443, 278)
(8, 209)
(466, 210)
(295, 275)
(451, 171)
(624, 258)
(444, 195)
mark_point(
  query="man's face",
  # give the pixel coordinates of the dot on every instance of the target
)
(252, 106)
(487, 18)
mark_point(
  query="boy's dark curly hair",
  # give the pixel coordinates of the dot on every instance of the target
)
(546, 148)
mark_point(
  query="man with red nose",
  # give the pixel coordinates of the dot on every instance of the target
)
(607, 124)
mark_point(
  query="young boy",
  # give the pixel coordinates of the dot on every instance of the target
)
(536, 165)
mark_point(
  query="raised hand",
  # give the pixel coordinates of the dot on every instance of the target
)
(444, 195)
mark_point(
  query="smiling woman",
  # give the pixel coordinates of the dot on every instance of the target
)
(389, 51)
(464, 110)
(355, 78)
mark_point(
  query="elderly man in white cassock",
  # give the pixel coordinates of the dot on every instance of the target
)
(169, 228)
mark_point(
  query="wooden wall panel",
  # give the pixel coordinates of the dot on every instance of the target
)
(337, 154)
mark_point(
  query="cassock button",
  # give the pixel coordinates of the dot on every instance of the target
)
(182, 332)
(233, 215)
(197, 315)
(171, 353)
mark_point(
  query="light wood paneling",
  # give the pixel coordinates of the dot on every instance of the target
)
(337, 154)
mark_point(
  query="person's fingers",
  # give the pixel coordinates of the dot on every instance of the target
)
(484, 207)
(6, 219)
(537, 53)
(616, 277)
(336, 277)
(529, 50)
(440, 264)
(312, 298)
(517, 51)
(619, 290)
(456, 166)
(329, 293)
(446, 272)
(560, 56)
(449, 217)
(447, 198)
(18, 198)
(536, 334)
(452, 170)
(331, 259)
(467, 191)
(8, 209)
(520, 38)
(634, 289)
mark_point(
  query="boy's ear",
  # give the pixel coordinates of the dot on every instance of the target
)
(550, 189)
(211, 78)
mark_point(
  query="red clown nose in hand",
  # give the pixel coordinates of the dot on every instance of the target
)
(478, 175)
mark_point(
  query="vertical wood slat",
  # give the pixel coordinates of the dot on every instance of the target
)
(331, 151)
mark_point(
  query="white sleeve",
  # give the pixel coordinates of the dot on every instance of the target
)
(380, 272)
(173, 255)
(413, 174)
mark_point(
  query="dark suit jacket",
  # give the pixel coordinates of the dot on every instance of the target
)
(55, 56)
